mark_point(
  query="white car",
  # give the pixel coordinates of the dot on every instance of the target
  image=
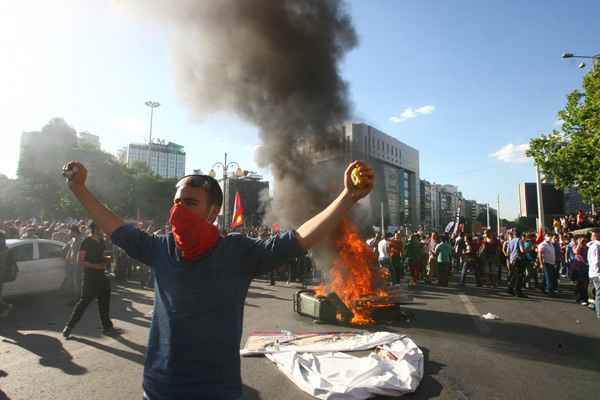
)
(42, 267)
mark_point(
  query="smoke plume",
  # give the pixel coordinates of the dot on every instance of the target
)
(274, 63)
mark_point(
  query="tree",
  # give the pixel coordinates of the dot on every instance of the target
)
(40, 190)
(569, 156)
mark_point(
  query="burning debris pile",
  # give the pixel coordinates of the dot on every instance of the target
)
(356, 292)
(352, 276)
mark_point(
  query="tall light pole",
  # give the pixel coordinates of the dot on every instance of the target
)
(582, 65)
(152, 105)
(225, 167)
(540, 199)
(498, 215)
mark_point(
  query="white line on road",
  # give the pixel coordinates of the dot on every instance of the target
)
(482, 327)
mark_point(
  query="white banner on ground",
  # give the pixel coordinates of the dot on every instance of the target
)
(391, 370)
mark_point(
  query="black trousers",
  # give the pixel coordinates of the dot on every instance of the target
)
(95, 286)
(517, 276)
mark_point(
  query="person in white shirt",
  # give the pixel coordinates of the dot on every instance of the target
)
(547, 257)
(383, 248)
(594, 267)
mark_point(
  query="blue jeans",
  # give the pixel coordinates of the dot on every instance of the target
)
(596, 282)
(549, 281)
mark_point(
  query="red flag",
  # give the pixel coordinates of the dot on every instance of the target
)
(540, 236)
(238, 212)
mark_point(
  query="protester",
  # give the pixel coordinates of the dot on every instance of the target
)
(443, 252)
(202, 280)
(515, 253)
(569, 254)
(488, 253)
(415, 256)
(579, 271)
(559, 259)
(383, 251)
(96, 284)
(593, 258)
(459, 249)
(547, 259)
(432, 272)
(531, 272)
(396, 248)
(557, 225)
(470, 261)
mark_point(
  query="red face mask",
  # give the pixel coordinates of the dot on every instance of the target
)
(193, 235)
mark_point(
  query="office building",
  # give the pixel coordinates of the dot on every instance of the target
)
(396, 166)
(165, 160)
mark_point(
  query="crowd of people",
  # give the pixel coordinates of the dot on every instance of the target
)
(518, 260)
(579, 220)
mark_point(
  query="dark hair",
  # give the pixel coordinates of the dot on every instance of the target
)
(92, 226)
(213, 189)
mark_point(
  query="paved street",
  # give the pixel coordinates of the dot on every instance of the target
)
(540, 349)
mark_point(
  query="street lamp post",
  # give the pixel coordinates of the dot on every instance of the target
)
(152, 105)
(225, 167)
(582, 65)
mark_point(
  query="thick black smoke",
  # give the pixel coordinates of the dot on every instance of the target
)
(275, 63)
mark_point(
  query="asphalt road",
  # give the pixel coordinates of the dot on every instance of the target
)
(541, 348)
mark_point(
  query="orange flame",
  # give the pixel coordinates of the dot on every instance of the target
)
(353, 276)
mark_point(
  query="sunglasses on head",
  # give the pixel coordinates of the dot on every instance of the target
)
(198, 181)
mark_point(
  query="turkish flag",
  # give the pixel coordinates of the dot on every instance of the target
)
(238, 212)
(540, 236)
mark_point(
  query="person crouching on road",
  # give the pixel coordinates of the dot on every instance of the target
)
(96, 284)
(202, 280)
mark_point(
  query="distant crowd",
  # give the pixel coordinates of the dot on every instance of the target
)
(520, 261)
(579, 220)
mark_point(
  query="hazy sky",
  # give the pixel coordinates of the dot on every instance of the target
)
(459, 80)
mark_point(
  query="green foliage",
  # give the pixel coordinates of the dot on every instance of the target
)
(570, 156)
(40, 190)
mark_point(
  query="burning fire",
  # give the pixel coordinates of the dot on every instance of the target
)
(352, 276)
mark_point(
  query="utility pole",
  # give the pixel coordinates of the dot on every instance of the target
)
(152, 105)
(382, 222)
(225, 165)
(498, 215)
(540, 199)
(487, 211)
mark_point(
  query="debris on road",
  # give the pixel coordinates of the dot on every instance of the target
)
(490, 316)
(316, 364)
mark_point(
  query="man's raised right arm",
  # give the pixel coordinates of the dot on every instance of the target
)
(106, 220)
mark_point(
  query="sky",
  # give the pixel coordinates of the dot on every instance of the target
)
(467, 83)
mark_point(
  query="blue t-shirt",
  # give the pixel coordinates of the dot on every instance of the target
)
(194, 345)
(513, 248)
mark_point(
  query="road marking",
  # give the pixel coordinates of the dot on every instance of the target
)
(482, 327)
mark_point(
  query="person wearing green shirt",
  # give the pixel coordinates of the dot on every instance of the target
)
(443, 251)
